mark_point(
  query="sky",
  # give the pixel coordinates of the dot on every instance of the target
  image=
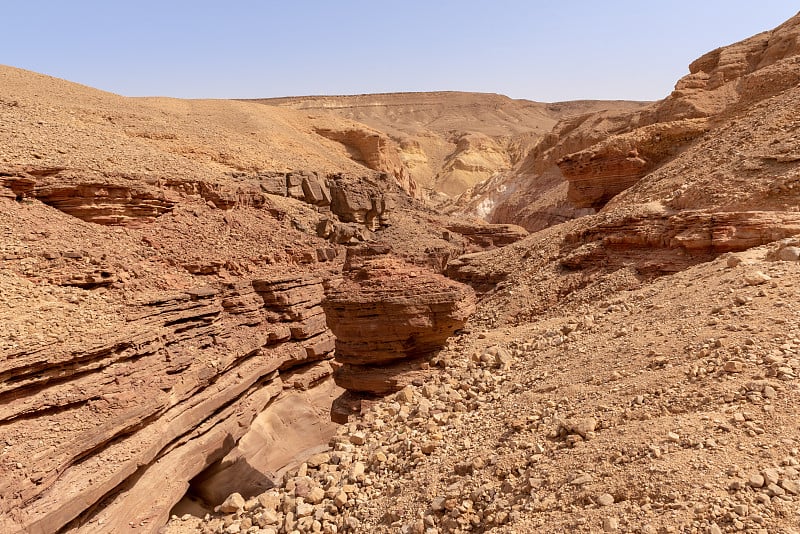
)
(537, 50)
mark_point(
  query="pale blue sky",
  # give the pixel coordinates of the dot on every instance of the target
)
(547, 51)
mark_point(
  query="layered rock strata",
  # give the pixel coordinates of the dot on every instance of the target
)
(389, 318)
(599, 173)
(375, 151)
(483, 236)
(587, 159)
(661, 243)
(92, 429)
(113, 201)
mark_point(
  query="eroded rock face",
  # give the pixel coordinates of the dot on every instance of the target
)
(360, 201)
(482, 236)
(386, 311)
(376, 151)
(587, 159)
(165, 392)
(599, 173)
(660, 243)
(110, 201)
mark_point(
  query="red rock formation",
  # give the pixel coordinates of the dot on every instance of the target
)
(484, 236)
(660, 243)
(360, 201)
(602, 171)
(375, 151)
(386, 310)
(113, 201)
(737, 75)
(152, 403)
(601, 154)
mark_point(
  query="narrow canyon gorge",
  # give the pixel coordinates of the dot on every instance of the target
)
(407, 312)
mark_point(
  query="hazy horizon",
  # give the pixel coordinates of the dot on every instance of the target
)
(579, 50)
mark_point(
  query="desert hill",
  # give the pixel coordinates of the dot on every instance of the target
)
(53, 123)
(227, 316)
(450, 141)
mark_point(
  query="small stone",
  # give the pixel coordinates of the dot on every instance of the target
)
(736, 485)
(771, 476)
(233, 528)
(673, 437)
(503, 358)
(315, 496)
(733, 261)
(732, 366)
(584, 426)
(428, 447)
(319, 459)
(340, 499)
(234, 503)
(789, 254)
(268, 517)
(304, 509)
(358, 438)
(357, 470)
(606, 499)
(774, 489)
(714, 529)
(406, 394)
(610, 524)
(756, 278)
(580, 480)
(755, 480)
(741, 510)
(791, 487)
(269, 500)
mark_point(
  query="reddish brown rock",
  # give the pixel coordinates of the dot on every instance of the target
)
(602, 171)
(387, 310)
(112, 200)
(658, 243)
(165, 391)
(357, 201)
(375, 151)
(484, 236)
(603, 153)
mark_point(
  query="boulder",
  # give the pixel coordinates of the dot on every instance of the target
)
(386, 310)
(315, 192)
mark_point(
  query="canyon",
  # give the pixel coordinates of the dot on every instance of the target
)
(418, 313)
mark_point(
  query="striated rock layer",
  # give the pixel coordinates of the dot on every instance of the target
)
(163, 392)
(387, 311)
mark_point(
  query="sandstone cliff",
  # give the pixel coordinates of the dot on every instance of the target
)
(586, 160)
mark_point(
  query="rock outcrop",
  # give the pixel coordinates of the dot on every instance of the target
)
(599, 173)
(588, 159)
(661, 243)
(446, 141)
(111, 201)
(164, 392)
(482, 236)
(386, 311)
(375, 151)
